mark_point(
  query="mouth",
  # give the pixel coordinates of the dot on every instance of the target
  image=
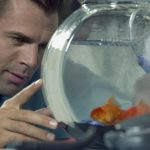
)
(16, 78)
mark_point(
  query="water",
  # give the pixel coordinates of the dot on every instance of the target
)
(96, 70)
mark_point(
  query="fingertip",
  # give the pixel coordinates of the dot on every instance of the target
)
(38, 82)
(50, 137)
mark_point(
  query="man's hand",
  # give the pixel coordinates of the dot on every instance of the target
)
(17, 125)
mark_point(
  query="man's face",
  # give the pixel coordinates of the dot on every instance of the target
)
(24, 32)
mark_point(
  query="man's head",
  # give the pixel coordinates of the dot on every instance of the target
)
(48, 6)
(25, 29)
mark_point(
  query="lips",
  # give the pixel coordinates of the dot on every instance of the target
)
(16, 78)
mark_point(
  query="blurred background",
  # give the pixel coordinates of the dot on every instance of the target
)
(69, 7)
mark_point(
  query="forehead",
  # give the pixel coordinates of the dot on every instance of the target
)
(26, 8)
(51, 7)
(26, 16)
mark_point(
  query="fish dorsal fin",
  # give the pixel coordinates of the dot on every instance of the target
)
(112, 101)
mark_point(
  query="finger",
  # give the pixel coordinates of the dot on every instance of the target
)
(22, 97)
(8, 137)
(27, 130)
(44, 111)
(71, 139)
(31, 117)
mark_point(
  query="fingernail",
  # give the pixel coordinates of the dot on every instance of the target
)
(50, 137)
(53, 124)
(38, 81)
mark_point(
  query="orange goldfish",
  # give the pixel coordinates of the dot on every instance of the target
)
(111, 113)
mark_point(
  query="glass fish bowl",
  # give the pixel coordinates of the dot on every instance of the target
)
(96, 66)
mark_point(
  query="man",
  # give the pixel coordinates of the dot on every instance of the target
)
(25, 29)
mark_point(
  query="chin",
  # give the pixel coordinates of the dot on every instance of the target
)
(10, 90)
(10, 93)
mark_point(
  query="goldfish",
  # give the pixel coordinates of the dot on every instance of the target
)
(112, 113)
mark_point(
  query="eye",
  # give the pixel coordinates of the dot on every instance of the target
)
(17, 40)
(42, 47)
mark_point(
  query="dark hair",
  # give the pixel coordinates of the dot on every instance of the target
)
(47, 5)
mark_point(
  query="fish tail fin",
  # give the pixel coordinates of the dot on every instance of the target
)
(142, 107)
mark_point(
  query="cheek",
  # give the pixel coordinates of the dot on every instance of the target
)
(6, 48)
(40, 58)
(6, 55)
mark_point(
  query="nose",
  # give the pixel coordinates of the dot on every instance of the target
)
(29, 55)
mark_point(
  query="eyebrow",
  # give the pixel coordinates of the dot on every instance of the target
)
(19, 35)
(24, 37)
